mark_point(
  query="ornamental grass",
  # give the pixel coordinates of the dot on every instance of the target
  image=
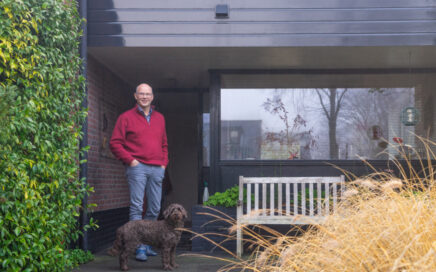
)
(384, 222)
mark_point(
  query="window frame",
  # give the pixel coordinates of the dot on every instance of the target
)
(216, 80)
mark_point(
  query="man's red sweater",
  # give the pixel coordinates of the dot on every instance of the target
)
(134, 138)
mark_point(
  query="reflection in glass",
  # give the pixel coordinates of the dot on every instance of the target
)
(314, 124)
(206, 139)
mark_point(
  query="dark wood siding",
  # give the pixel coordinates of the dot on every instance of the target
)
(262, 23)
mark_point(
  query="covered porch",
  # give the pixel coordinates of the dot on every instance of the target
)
(208, 70)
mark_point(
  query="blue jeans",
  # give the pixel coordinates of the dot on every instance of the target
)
(147, 179)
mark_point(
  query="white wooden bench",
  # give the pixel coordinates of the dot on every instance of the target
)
(280, 210)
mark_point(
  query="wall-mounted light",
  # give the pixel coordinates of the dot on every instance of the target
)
(222, 11)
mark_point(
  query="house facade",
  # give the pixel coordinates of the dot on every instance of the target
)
(257, 88)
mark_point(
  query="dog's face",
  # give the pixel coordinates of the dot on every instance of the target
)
(175, 212)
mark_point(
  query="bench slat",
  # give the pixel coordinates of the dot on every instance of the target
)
(271, 201)
(279, 202)
(311, 199)
(256, 196)
(239, 211)
(318, 208)
(295, 198)
(335, 195)
(327, 198)
(288, 199)
(303, 199)
(264, 198)
(248, 198)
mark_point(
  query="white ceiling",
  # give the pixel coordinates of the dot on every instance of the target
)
(187, 67)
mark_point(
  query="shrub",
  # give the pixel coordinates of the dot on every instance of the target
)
(41, 92)
(79, 256)
(228, 198)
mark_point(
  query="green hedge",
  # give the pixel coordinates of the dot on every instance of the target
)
(41, 92)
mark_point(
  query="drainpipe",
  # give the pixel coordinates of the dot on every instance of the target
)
(83, 174)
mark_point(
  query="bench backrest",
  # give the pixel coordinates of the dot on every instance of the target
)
(289, 196)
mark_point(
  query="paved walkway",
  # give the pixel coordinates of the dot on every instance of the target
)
(104, 262)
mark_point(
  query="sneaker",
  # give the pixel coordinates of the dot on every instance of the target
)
(149, 251)
(141, 253)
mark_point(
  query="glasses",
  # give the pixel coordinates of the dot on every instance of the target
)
(144, 94)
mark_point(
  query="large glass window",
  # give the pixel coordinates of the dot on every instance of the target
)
(206, 130)
(206, 139)
(345, 123)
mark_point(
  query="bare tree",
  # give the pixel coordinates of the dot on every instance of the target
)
(334, 97)
(291, 132)
(366, 108)
(276, 106)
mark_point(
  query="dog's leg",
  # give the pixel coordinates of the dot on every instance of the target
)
(173, 257)
(124, 257)
(115, 249)
(166, 252)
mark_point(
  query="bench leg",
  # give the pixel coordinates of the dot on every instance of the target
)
(238, 240)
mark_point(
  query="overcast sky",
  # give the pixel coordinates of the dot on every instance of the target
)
(246, 104)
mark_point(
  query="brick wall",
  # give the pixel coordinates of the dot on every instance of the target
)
(108, 97)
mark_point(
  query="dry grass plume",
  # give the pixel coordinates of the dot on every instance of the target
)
(383, 223)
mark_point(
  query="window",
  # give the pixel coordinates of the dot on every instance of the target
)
(206, 139)
(340, 123)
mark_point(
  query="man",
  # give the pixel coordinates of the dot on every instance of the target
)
(139, 140)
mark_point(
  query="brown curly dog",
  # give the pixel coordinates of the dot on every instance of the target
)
(164, 234)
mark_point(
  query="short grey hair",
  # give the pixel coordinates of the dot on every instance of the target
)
(137, 87)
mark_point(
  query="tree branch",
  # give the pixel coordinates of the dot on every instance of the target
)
(322, 104)
(338, 107)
